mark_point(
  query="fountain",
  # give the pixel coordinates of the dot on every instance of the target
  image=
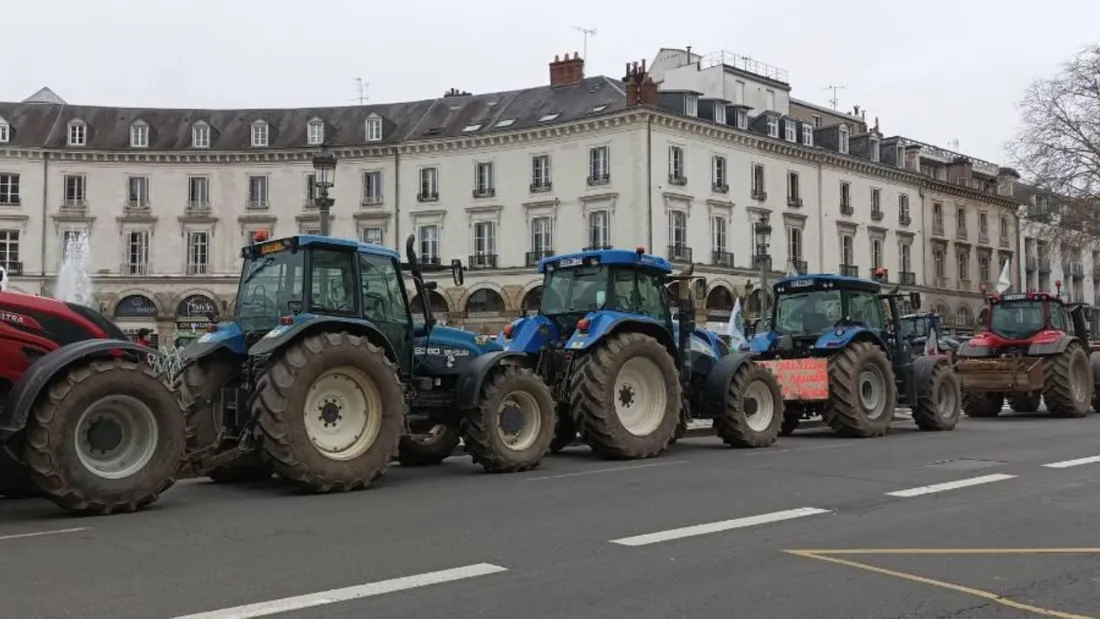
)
(73, 282)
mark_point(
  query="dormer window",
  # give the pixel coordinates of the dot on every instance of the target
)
(790, 131)
(374, 129)
(901, 155)
(807, 134)
(78, 133)
(720, 114)
(139, 135)
(844, 140)
(5, 131)
(259, 134)
(773, 127)
(742, 119)
(200, 135)
(691, 104)
(876, 150)
(315, 132)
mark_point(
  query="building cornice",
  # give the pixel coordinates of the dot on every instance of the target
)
(966, 192)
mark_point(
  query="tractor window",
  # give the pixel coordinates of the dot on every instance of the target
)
(383, 294)
(638, 292)
(1058, 318)
(866, 308)
(807, 313)
(270, 287)
(1017, 320)
(573, 290)
(914, 326)
(334, 288)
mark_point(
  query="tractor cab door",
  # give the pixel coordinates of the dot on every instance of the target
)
(386, 306)
(1060, 319)
(1079, 321)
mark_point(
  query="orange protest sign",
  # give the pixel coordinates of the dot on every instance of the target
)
(801, 379)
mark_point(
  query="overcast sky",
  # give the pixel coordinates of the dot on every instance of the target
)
(933, 70)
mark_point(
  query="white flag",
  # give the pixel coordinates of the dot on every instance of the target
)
(791, 271)
(1005, 282)
(736, 327)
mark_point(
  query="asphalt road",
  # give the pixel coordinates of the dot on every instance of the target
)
(972, 524)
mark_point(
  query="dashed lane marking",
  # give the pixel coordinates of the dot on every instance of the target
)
(42, 533)
(1065, 464)
(951, 485)
(718, 527)
(608, 470)
(346, 594)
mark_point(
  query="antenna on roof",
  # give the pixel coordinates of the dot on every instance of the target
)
(835, 100)
(361, 88)
(587, 32)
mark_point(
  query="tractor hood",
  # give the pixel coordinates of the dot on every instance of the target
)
(226, 335)
(458, 338)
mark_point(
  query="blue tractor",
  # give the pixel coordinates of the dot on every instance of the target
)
(322, 372)
(835, 347)
(627, 377)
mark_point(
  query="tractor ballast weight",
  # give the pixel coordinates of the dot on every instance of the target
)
(625, 375)
(837, 355)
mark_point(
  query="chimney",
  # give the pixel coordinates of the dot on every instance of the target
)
(640, 88)
(912, 157)
(1006, 182)
(566, 71)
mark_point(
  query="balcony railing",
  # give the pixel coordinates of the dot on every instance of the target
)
(1032, 263)
(679, 253)
(541, 187)
(1004, 241)
(599, 179)
(759, 195)
(849, 270)
(722, 259)
(532, 257)
(937, 228)
(198, 205)
(427, 196)
(983, 238)
(677, 179)
(877, 214)
(800, 266)
(1077, 270)
(198, 269)
(482, 261)
(960, 232)
(432, 260)
(908, 278)
(74, 204)
(256, 205)
(133, 268)
(904, 220)
(965, 285)
(13, 268)
(1044, 265)
(723, 188)
(794, 202)
(374, 200)
(846, 209)
(485, 192)
(139, 204)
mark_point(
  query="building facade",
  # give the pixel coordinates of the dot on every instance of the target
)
(1058, 256)
(682, 158)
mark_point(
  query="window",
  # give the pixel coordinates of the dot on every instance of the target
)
(429, 244)
(817, 121)
(876, 253)
(313, 191)
(739, 92)
(758, 179)
(677, 231)
(675, 163)
(1004, 228)
(137, 192)
(374, 129)
(845, 197)
(940, 263)
(900, 155)
(315, 132)
(794, 243)
(139, 135)
(200, 135)
(906, 251)
(5, 132)
(599, 165)
(9, 189)
(9, 248)
(718, 173)
(718, 232)
(483, 180)
(78, 133)
(903, 208)
(334, 289)
(259, 134)
(960, 220)
(807, 135)
(599, 230)
(742, 118)
(876, 201)
(794, 196)
(983, 269)
(485, 241)
(937, 215)
(847, 249)
(843, 142)
(983, 224)
(791, 130)
(720, 114)
(865, 307)
(257, 192)
(540, 173)
(75, 190)
(198, 253)
(542, 236)
(691, 105)
(964, 266)
(769, 98)
(372, 187)
(383, 291)
(198, 192)
(372, 235)
(876, 151)
(137, 253)
(429, 184)
(773, 127)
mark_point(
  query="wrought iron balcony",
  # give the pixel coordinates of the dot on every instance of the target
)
(722, 259)
(679, 253)
(532, 258)
(908, 278)
(482, 261)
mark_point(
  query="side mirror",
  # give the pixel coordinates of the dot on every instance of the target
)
(456, 272)
(914, 300)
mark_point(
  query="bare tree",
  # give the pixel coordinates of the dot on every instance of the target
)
(1057, 152)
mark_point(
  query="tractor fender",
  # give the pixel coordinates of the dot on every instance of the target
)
(468, 388)
(24, 394)
(604, 323)
(717, 386)
(227, 338)
(1053, 347)
(282, 335)
(969, 350)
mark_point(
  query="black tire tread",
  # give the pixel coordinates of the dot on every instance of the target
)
(843, 413)
(1024, 402)
(479, 429)
(1057, 390)
(565, 431)
(982, 405)
(925, 413)
(733, 427)
(412, 453)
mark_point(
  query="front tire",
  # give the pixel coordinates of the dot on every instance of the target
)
(1068, 383)
(862, 392)
(108, 437)
(331, 408)
(440, 443)
(754, 408)
(939, 401)
(511, 394)
(627, 395)
(565, 430)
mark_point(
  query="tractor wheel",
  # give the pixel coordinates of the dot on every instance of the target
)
(428, 449)
(1024, 402)
(15, 479)
(681, 431)
(108, 437)
(200, 386)
(331, 408)
(790, 424)
(979, 404)
(754, 408)
(1068, 386)
(862, 392)
(513, 425)
(627, 394)
(939, 401)
(565, 431)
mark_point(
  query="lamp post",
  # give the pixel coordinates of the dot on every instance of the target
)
(763, 231)
(324, 164)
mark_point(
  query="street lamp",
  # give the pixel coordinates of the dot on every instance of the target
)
(763, 231)
(324, 164)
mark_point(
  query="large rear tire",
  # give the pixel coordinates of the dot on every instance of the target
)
(754, 408)
(939, 401)
(565, 430)
(512, 427)
(862, 392)
(200, 386)
(106, 437)
(331, 407)
(15, 479)
(429, 449)
(1068, 388)
(627, 396)
(981, 404)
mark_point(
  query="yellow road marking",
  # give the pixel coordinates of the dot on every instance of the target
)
(823, 555)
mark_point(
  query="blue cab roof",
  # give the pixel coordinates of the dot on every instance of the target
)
(333, 241)
(840, 281)
(623, 257)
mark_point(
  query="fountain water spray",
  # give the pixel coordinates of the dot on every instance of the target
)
(73, 282)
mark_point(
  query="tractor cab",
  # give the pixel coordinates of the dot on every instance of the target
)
(1016, 321)
(917, 328)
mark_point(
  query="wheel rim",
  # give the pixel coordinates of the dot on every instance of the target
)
(640, 397)
(872, 391)
(116, 436)
(519, 421)
(343, 413)
(1080, 377)
(762, 417)
(946, 402)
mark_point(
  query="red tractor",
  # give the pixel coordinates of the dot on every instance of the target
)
(1032, 346)
(85, 421)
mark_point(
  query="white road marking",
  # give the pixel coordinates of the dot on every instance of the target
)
(41, 533)
(332, 596)
(1065, 464)
(608, 470)
(769, 451)
(718, 527)
(951, 485)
